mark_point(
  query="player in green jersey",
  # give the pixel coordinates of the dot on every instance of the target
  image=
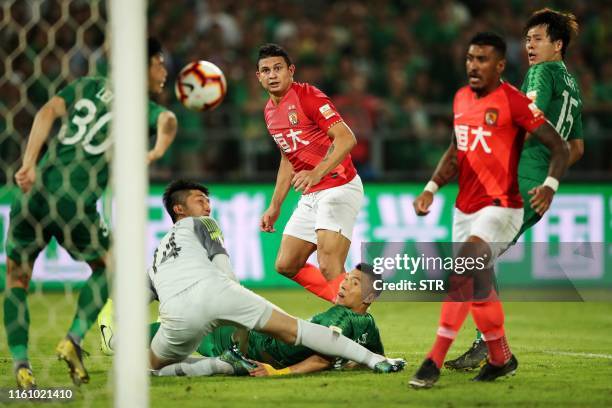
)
(555, 92)
(348, 316)
(59, 200)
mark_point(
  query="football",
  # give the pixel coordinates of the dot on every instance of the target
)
(200, 86)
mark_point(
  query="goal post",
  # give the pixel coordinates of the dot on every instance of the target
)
(130, 184)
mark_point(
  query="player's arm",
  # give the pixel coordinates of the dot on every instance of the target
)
(311, 364)
(343, 142)
(166, 132)
(283, 184)
(445, 171)
(576, 150)
(559, 155)
(43, 121)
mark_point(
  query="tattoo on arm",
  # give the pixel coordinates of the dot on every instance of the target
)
(329, 152)
(448, 165)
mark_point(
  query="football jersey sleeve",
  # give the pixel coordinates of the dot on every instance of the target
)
(70, 92)
(539, 86)
(525, 114)
(576, 132)
(319, 108)
(154, 111)
(210, 236)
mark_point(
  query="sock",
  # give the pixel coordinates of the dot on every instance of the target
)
(91, 300)
(499, 351)
(17, 323)
(196, 367)
(452, 316)
(311, 278)
(325, 341)
(489, 318)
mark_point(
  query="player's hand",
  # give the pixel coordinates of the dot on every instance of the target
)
(25, 177)
(268, 219)
(542, 198)
(422, 203)
(305, 179)
(266, 370)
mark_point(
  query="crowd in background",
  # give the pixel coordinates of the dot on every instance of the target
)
(390, 67)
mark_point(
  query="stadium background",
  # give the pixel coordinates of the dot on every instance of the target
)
(391, 67)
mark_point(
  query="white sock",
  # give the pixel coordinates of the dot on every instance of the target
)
(326, 341)
(195, 367)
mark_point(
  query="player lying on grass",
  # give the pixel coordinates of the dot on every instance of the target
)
(348, 316)
(194, 282)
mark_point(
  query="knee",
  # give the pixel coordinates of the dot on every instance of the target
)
(17, 276)
(286, 267)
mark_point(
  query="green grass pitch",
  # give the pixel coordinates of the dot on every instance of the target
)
(564, 352)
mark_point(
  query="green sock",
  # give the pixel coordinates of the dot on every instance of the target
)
(17, 322)
(153, 328)
(478, 335)
(91, 300)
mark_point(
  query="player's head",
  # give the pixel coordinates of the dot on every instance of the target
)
(485, 61)
(157, 68)
(185, 198)
(274, 69)
(548, 34)
(358, 290)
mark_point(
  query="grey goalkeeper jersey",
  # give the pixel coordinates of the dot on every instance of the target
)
(185, 256)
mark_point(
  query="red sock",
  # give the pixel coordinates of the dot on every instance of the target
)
(452, 316)
(499, 351)
(489, 318)
(311, 278)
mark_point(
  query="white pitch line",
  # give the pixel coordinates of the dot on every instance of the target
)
(573, 354)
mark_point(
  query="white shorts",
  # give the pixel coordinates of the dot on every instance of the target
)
(333, 209)
(495, 225)
(195, 312)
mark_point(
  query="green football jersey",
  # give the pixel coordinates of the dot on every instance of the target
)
(76, 161)
(556, 93)
(357, 327)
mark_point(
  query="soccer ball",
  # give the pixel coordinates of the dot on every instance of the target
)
(200, 86)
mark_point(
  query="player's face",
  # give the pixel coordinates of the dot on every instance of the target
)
(157, 73)
(484, 67)
(197, 204)
(539, 46)
(350, 291)
(274, 75)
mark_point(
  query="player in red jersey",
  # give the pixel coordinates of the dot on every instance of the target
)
(491, 119)
(315, 145)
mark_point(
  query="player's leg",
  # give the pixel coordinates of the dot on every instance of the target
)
(214, 347)
(336, 213)
(26, 238)
(237, 304)
(476, 355)
(87, 240)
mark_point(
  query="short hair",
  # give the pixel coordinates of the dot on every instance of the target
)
(559, 26)
(272, 50)
(489, 38)
(154, 47)
(368, 271)
(176, 192)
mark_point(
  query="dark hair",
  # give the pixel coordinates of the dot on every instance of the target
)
(368, 271)
(154, 47)
(492, 39)
(272, 50)
(559, 26)
(177, 191)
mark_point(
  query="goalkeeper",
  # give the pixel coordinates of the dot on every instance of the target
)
(59, 200)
